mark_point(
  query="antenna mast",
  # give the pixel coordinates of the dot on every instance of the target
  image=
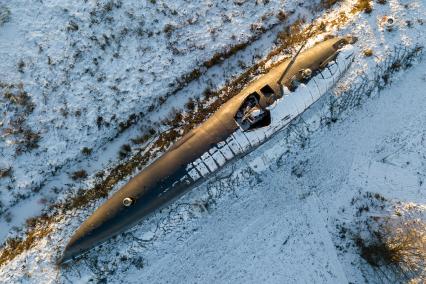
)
(295, 56)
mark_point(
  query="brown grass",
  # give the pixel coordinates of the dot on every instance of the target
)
(125, 150)
(362, 6)
(282, 16)
(341, 19)
(328, 3)
(86, 151)
(80, 174)
(18, 102)
(27, 139)
(368, 52)
(5, 172)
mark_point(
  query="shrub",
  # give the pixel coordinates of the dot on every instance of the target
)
(328, 3)
(168, 29)
(72, 26)
(28, 142)
(80, 174)
(190, 105)
(282, 16)
(86, 151)
(396, 244)
(124, 151)
(21, 66)
(364, 6)
(368, 52)
(140, 139)
(8, 217)
(5, 172)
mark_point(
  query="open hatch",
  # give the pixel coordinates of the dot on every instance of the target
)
(251, 115)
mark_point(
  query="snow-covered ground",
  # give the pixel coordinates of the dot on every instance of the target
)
(276, 215)
(279, 222)
(66, 121)
(91, 68)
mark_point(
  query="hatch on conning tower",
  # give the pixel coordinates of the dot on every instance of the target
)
(251, 115)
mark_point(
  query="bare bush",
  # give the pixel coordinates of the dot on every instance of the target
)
(368, 52)
(5, 172)
(18, 105)
(396, 244)
(124, 151)
(29, 140)
(363, 5)
(86, 151)
(78, 175)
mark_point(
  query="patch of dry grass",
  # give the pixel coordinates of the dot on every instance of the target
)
(328, 3)
(78, 175)
(18, 105)
(5, 172)
(368, 52)
(362, 6)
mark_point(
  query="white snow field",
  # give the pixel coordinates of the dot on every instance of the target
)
(276, 215)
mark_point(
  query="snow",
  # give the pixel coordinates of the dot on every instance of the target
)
(232, 246)
(278, 228)
(272, 216)
(90, 67)
(273, 226)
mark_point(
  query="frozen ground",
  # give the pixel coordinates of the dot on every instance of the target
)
(70, 110)
(90, 70)
(277, 218)
(279, 224)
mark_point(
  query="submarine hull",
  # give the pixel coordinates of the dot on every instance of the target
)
(210, 146)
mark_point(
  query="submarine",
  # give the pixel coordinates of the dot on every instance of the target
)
(263, 107)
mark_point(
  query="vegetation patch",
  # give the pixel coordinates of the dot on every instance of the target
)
(395, 245)
(78, 175)
(125, 150)
(5, 172)
(17, 105)
(363, 6)
(368, 52)
(328, 3)
(37, 228)
(86, 151)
